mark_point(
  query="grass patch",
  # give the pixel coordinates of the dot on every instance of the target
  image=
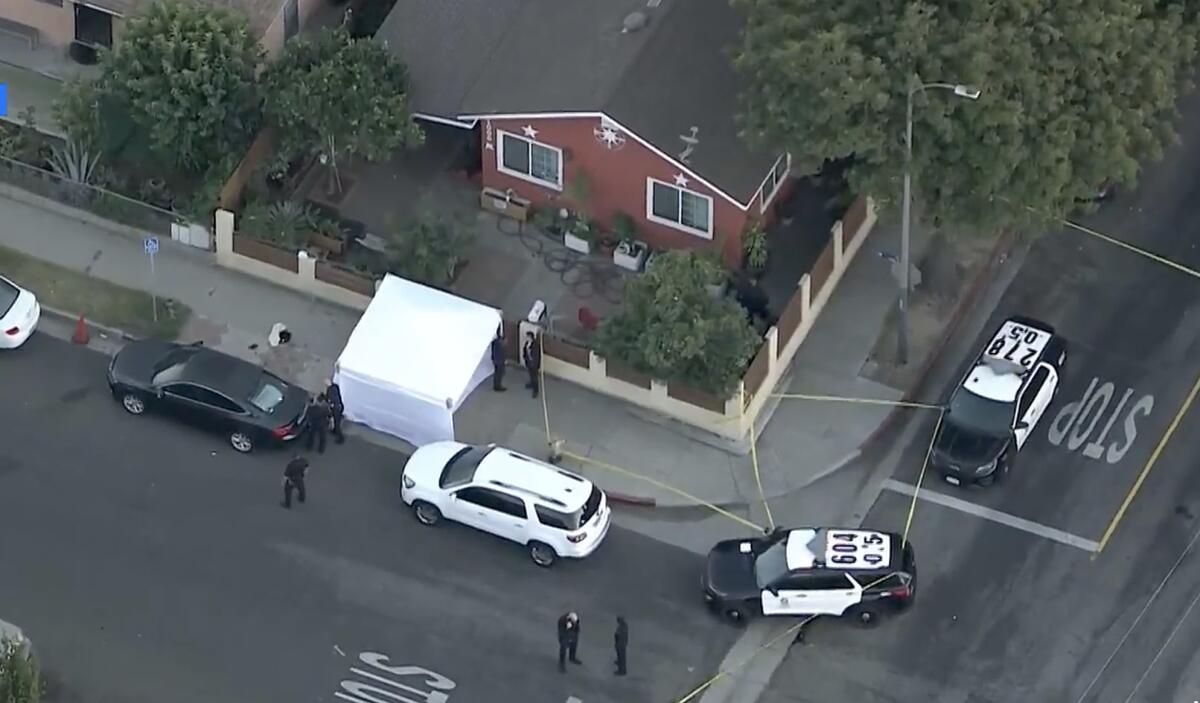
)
(99, 301)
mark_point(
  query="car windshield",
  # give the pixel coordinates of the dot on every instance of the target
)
(974, 412)
(573, 520)
(170, 368)
(268, 396)
(771, 564)
(8, 296)
(461, 467)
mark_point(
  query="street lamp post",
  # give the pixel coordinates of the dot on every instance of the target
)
(905, 217)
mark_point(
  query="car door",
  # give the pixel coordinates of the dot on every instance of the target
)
(492, 511)
(202, 406)
(818, 593)
(1034, 400)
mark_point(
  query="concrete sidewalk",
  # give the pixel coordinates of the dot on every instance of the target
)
(805, 441)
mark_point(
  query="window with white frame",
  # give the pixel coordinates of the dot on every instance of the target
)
(678, 207)
(775, 180)
(533, 161)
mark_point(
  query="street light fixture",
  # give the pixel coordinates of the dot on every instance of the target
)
(962, 91)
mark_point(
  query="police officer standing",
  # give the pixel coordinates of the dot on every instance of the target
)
(498, 360)
(317, 425)
(568, 640)
(293, 480)
(532, 356)
(620, 642)
(337, 409)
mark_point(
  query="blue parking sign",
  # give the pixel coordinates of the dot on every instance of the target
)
(3, 99)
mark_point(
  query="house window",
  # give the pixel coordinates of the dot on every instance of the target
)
(530, 160)
(775, 181)
(678, 207)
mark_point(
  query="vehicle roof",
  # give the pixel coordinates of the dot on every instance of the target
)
(995, 384)
(556, 487)
(222, 372)
(811, 547)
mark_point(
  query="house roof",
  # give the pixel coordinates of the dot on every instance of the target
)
(260, 12)
(474, 58)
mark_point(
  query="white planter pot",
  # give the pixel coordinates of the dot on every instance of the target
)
(574, 243)
(630, 255)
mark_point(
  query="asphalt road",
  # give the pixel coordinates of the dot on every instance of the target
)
(148, 562)
(1006, 610)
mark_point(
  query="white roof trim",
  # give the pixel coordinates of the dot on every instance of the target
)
(604, 116)
(799, 556)
(445, 120)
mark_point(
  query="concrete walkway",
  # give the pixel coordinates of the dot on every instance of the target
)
(805, 441)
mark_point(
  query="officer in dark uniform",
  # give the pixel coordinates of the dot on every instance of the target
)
(532, 356)
(317, 425)
(498, 360)
(337, 409)
(620, 643)
(568, 640)
(293, 480)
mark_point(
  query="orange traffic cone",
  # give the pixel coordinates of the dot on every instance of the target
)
(81, 335)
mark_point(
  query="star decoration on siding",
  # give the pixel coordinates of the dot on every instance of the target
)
(529, 131)
(681, 180)
(609, 137)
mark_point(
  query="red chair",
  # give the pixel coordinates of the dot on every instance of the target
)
(588, 319)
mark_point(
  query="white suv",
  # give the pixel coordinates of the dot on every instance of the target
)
(553, 512)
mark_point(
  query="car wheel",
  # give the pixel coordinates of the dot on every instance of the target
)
(864, 614)
(241, 441)
(542, 554)
(426, 513)
(133, 403)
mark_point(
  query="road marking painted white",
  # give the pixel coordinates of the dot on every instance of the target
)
(1083, 417)
(996, 516)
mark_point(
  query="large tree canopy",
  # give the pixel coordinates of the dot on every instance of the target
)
(334, 95)
(1074, 93)
(181, 80)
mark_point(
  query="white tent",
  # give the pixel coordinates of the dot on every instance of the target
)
(414, 356)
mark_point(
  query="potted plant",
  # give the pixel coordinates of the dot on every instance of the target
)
(630, 253)
(754, 249)
(578, 233)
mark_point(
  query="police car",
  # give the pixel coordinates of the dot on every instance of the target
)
(811, 571)
(999, 402)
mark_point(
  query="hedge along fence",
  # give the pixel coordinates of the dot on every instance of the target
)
(725, 417)
(295, 270)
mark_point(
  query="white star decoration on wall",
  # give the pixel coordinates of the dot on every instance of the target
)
(529, 131)
(681, 180)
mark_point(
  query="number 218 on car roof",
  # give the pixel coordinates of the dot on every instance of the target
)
(1018, 344)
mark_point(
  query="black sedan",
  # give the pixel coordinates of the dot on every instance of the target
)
(208, 388)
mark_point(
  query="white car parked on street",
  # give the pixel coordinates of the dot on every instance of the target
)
(554, 513)
(19, 314)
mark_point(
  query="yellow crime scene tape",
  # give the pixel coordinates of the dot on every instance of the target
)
(746, 660)
(860, 401)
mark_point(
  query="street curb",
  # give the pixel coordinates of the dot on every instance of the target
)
(70, 318)
(1003, 245)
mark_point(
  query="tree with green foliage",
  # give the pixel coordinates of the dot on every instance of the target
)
(20, 680)
(180, 84)
(674, 326)
(429, 248)
(334, 96)
(1074, 94)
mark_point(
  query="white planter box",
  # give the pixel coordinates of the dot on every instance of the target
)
(574, 243)
(630, 255)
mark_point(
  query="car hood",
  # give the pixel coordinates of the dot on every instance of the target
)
(962, 448)
(729, 572)
(426, 463)
(134, 363)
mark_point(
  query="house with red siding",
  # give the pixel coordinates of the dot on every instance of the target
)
(637, 98)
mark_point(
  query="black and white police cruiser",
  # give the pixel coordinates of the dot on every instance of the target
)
(811, 571)
(999, 402)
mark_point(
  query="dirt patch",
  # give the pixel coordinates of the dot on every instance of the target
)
(949, 269)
